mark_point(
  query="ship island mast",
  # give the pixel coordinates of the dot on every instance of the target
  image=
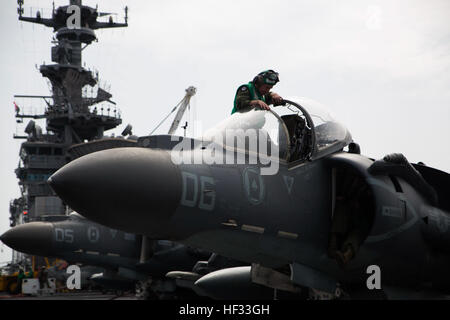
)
(72, 117)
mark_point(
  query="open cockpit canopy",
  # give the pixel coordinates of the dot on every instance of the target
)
(302, 129)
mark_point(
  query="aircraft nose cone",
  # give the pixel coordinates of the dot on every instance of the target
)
(123, 188)
(32, 238)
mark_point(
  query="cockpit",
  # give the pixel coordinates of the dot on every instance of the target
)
(299, 130)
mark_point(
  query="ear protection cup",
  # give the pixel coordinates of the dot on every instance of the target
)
(268, 77)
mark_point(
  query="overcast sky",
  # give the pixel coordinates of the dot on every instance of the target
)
(382, 67)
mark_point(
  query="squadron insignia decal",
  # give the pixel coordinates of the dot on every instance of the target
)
(254, 185)
(93, 234)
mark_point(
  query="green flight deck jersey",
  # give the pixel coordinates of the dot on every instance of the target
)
(245, 94)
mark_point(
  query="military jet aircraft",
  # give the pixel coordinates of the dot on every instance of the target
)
(328, 219)
(78, 240)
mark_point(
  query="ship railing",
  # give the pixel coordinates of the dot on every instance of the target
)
(35, 109)
(98, 110)
(35, 11)
(44, 161)
(106, 111)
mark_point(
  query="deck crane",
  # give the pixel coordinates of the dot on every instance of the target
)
(182, 105)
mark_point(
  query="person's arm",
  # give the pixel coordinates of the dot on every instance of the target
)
(273, 98)
(243, 98)
(260, 104)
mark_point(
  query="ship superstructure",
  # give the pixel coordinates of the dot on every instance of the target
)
(77, 111)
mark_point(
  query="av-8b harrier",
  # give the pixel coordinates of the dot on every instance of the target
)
(128, 259)
(312, 216)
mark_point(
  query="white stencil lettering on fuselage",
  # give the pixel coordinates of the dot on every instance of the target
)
(190, 194)
(64, 235)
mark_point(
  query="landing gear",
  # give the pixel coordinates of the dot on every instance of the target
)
(353, 216)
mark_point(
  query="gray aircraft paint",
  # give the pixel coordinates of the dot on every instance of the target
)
(251, 231)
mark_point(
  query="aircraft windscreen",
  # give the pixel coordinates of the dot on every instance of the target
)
(76, 216)
(253, 123)
(330, 134)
